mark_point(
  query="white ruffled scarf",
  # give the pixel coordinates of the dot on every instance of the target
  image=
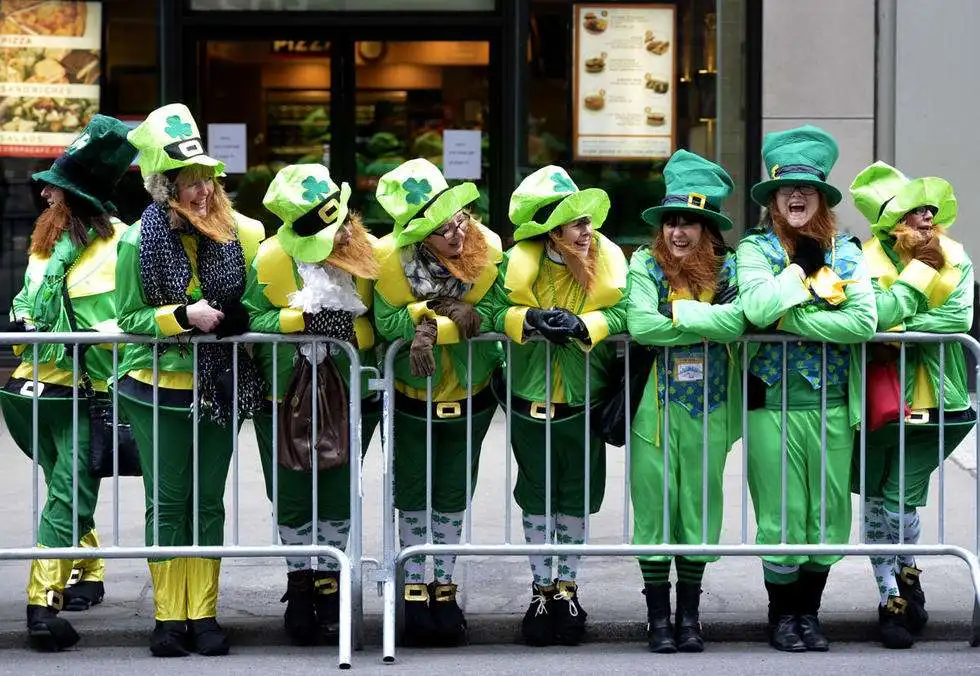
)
(325, 287)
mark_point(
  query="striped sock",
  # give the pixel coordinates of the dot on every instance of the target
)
(655, 572)
(691, 572)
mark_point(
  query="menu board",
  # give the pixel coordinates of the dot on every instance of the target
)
(623, 84)
(49, 74)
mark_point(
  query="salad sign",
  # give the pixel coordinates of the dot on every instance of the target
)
(49, 74)
(623, 84)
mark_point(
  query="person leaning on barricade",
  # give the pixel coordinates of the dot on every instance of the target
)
(313, 277)
(798, 274)
(563, 281)
(181, 272)
(73, 254)
(923, 281)
(437, 266)
(683, 292)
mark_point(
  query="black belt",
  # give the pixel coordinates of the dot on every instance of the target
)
(539, 409)
(166, 396)
(443, 410)
(48, 391)
(931, 416)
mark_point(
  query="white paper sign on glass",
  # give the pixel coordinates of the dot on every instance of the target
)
(462, 156)
(227, 142)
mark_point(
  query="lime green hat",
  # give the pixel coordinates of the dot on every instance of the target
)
(312, 208)
(169, 139)
(801, 156)
(549, 198)
(419, 200)
(694, 185)
(883, 195)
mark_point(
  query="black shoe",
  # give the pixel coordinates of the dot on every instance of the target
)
(537, 627)
(447, 616)
(568, 616)
(687, 621)
(660, 633)
(300, 618)
(812, 634)
(783, 631)
(892, 624)
(209, 638)
(809, 594)
(419, 630)
(83, 595)
(47, 632)
(169, 639)
(910, 589)
(327, 602)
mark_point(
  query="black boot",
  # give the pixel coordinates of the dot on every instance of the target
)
(447, 616)
(169, 639)
(209, 638)
(892, 619)
(327, 602)
(569, 616)
(84, 595)
(809, 593)
(660, 633)
(910, 589)
(538, 627)
(47, 632)
(687, 622)
(300, 618)
(783, 632)
(419, 630)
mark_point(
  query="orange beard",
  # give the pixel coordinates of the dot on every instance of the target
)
(907, 239)
(219, 223)
(697, 272)
(58, 219)
(822, 227)
(470, 264)
(357, 255)
(582, 268)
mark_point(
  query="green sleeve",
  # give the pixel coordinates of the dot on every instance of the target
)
(616, 315)
(766, 297)
(135, 316)
(393, 323)
(717, 323)
(896, 304)
(953, 316)
(263, 315)
(20, 306)
(644, 322)
(854, 321)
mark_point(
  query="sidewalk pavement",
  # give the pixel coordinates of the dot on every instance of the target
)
(494, 591)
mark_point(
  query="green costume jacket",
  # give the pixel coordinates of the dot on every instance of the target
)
(914, 297)
(521, 285)
(397, 311)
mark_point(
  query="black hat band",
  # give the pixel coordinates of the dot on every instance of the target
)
(780, 169)
(692, 199)
(184, 150)
(81, 176)
(323, 215)
(544, 213)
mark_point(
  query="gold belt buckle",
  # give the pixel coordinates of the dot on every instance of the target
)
(540, 411)
(920, 417)
(448, 409)
(55, 599)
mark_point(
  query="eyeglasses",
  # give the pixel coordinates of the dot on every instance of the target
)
(805, 190)
(921, 211)
(455, 227)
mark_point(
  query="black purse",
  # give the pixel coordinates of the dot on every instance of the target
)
(100, 459)
(609, 419)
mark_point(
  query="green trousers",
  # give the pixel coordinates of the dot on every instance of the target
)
(295, 504)
(527, 437)
(686, 482)
(803, 471)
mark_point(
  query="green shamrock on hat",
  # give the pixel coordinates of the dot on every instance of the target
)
(562, 183)
(417, 191)
(314, 190)
(177, 128)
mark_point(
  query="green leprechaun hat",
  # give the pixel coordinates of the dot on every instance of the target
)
(801, 156)
(883, 195)
(94, 162)
(419, 200)
(312, 208)
(694, 185)
(549, 198)
(169, 139)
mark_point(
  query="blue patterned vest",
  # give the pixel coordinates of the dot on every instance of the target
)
(687, 362)
(802, 357)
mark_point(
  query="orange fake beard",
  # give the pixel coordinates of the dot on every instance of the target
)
(822, 227)
(219, 223)
(356, 256)
(59, 219)
(697, 272)
(907, 239)
(470, 264)
(581, 267)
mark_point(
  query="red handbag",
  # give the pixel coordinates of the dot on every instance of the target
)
(884, 398)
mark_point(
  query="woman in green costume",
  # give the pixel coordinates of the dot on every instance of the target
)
(683, 292)
(923, 281)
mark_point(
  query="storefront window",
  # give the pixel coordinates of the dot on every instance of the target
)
(346, 5)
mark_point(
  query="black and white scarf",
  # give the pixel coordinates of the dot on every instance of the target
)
(427, 277)
(165, 273)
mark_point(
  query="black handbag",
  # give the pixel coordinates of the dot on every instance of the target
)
(609, 419)
(100, 459)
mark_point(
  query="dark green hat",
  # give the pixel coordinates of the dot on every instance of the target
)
(801, 156)
(694, 185)
(94, 162)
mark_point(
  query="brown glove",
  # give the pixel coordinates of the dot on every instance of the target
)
(930, 252)
(420, 359)
(460, 312)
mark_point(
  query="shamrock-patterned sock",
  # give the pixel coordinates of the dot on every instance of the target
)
(297, 536)
(446, 529)
(876, 532)
(535, 526)
(412, 531)
(569, 530)
(332, 534)
(913, 529)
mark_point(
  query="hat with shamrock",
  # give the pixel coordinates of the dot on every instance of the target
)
(801, 156)
(312, 208)
(94, 162)
(549, 198)
(419, 200)
(883, 195)
(169, 139)
(695, 186)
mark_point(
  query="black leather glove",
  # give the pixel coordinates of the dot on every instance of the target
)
(726, 293)
(20, 326)
(235, 322)
(565, 324)
(666, 309)
(535, 318)
(809, 255)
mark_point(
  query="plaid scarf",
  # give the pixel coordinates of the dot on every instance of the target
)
(427, 277)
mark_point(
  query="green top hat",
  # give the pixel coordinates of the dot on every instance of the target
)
(694, 185)
(94, 162)
(169, 139)
(549, 198)
(312, 208)
(801, 156)
(419, 200)
(883, 195)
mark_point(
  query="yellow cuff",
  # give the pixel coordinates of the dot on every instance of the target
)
(166, 321)
(595, 323)
(514, 323)
(419, 311)
(446, 331)
(780, 324)
(291, 320)
(919, 276)
(829, 286)
(364, 333)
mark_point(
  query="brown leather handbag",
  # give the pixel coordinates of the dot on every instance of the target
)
(296, 418)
